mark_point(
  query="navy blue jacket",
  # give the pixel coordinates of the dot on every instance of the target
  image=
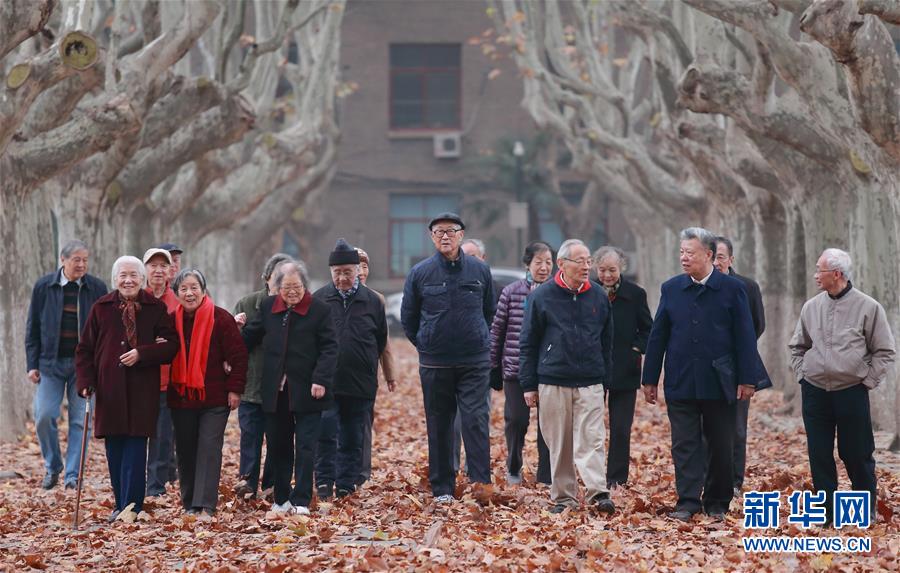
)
(447, 310)
(566, 338)
(707, 336)
(45, 315)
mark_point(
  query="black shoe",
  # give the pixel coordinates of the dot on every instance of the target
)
(604, 504)
(341, 492)
(324, 492)
(558, 508)
(681, 515)
(243, 488)
(112, 516)
(192, 511)
(50, 481)
(717, 515)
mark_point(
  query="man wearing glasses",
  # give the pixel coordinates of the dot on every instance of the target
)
(842, 348)
(448, 302)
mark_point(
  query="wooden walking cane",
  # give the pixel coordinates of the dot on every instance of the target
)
(84, 442)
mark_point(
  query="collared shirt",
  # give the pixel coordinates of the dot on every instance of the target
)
(63, 280)
(845, 290)
(703, 280)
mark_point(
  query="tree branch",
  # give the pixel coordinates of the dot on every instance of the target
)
(887, 10)
(22, 19)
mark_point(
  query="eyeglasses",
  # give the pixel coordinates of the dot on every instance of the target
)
(297, 288)
(580, 262)
(448, 232)
(820, 271)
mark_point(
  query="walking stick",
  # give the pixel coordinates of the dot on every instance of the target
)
(81, 466)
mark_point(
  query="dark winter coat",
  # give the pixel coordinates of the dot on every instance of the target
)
(566, 338)
(225, 345)
(706, 335)
(127, 396)
(506, 328)
(249, 305)
(362, 334)
(632, 319)
(301, 344)
(447, 309)
(45, 315)
(754, 297)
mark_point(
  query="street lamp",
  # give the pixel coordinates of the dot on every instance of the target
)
(519, 153)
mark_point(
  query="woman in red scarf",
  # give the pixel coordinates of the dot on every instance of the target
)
(208, 376)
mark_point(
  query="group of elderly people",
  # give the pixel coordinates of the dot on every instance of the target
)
(301, 368)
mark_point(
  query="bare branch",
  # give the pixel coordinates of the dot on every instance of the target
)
(22, 19)
(228, 39)
(265, 47)
(887, 10)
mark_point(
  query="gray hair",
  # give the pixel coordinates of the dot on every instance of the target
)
(72, 247)
(128, 259)
(289, 268)
(607, 250)
(839, 260)
(706, 238)
(479, 244)
(184, 274)
(273, 262)
(566, 248)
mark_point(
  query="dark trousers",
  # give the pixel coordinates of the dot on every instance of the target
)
(199, 434)
(366, 471)
(339, 457)
(291, 439)
(620, 404)
(252, 421)
(458, 437)
(126, 457)
(691, 421)
(517, 417)
(161, 467)
(847, 413)
(443, 389)
(742, 415)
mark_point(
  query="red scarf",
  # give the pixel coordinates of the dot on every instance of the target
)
(189, 376)
(586, 285)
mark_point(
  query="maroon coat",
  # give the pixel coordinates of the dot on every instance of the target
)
(225, 345)
(127, 397)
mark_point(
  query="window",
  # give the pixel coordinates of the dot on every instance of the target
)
(410, 215)
(425, 86)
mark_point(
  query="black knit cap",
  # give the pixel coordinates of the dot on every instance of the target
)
(447, 216)
(343, 254)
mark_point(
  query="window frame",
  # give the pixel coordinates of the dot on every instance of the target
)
(423, 221)
(423, 72)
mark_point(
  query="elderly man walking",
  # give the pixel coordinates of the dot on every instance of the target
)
(60, 303)
(704, 330)
(565, 358)
(448, 302)
(842, 348)
(362, 333)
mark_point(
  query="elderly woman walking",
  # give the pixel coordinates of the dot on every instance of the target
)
(505, 330)
(631, 317)
(208, 377)
(128, 335)
(301, 349)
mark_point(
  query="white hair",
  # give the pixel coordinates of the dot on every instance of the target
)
(566, 248)
(607, 250)
(291, 267)
(128, 259)
(479, 245)
(839, 260)
(706, 238)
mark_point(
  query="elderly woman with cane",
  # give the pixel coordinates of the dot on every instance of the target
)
(208, 377)
(128, 335)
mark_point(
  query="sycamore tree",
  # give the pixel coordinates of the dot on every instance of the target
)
(127, 123)
(774, 122)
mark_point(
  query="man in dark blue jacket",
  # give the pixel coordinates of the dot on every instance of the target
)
(704, 329)
(60, 303)
(565, 357)
(448, 302)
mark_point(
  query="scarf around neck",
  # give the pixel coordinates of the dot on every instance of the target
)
(130, 308)
(189, 374)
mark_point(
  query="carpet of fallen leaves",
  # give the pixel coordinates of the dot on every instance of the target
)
(392, 523)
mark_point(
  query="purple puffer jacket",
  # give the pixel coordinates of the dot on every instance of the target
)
(506, 328)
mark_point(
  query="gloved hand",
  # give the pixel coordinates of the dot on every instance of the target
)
(497, 378)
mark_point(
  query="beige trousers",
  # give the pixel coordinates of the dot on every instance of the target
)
(572, 423)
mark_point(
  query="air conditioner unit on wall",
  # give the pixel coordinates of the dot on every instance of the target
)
(447, 145)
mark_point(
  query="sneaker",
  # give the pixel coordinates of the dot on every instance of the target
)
(444, 499)
(243, 488)
(558, 508)
(285, 507)
(50, 480)
(112, 516)
(324, 491)
(208, 512)
(341, 492)
(300, 510)
(681, 515)
(513, 479)
(192, 511)
(604, 504)
(71, 484)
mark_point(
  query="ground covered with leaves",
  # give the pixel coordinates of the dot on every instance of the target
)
(393, 524)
